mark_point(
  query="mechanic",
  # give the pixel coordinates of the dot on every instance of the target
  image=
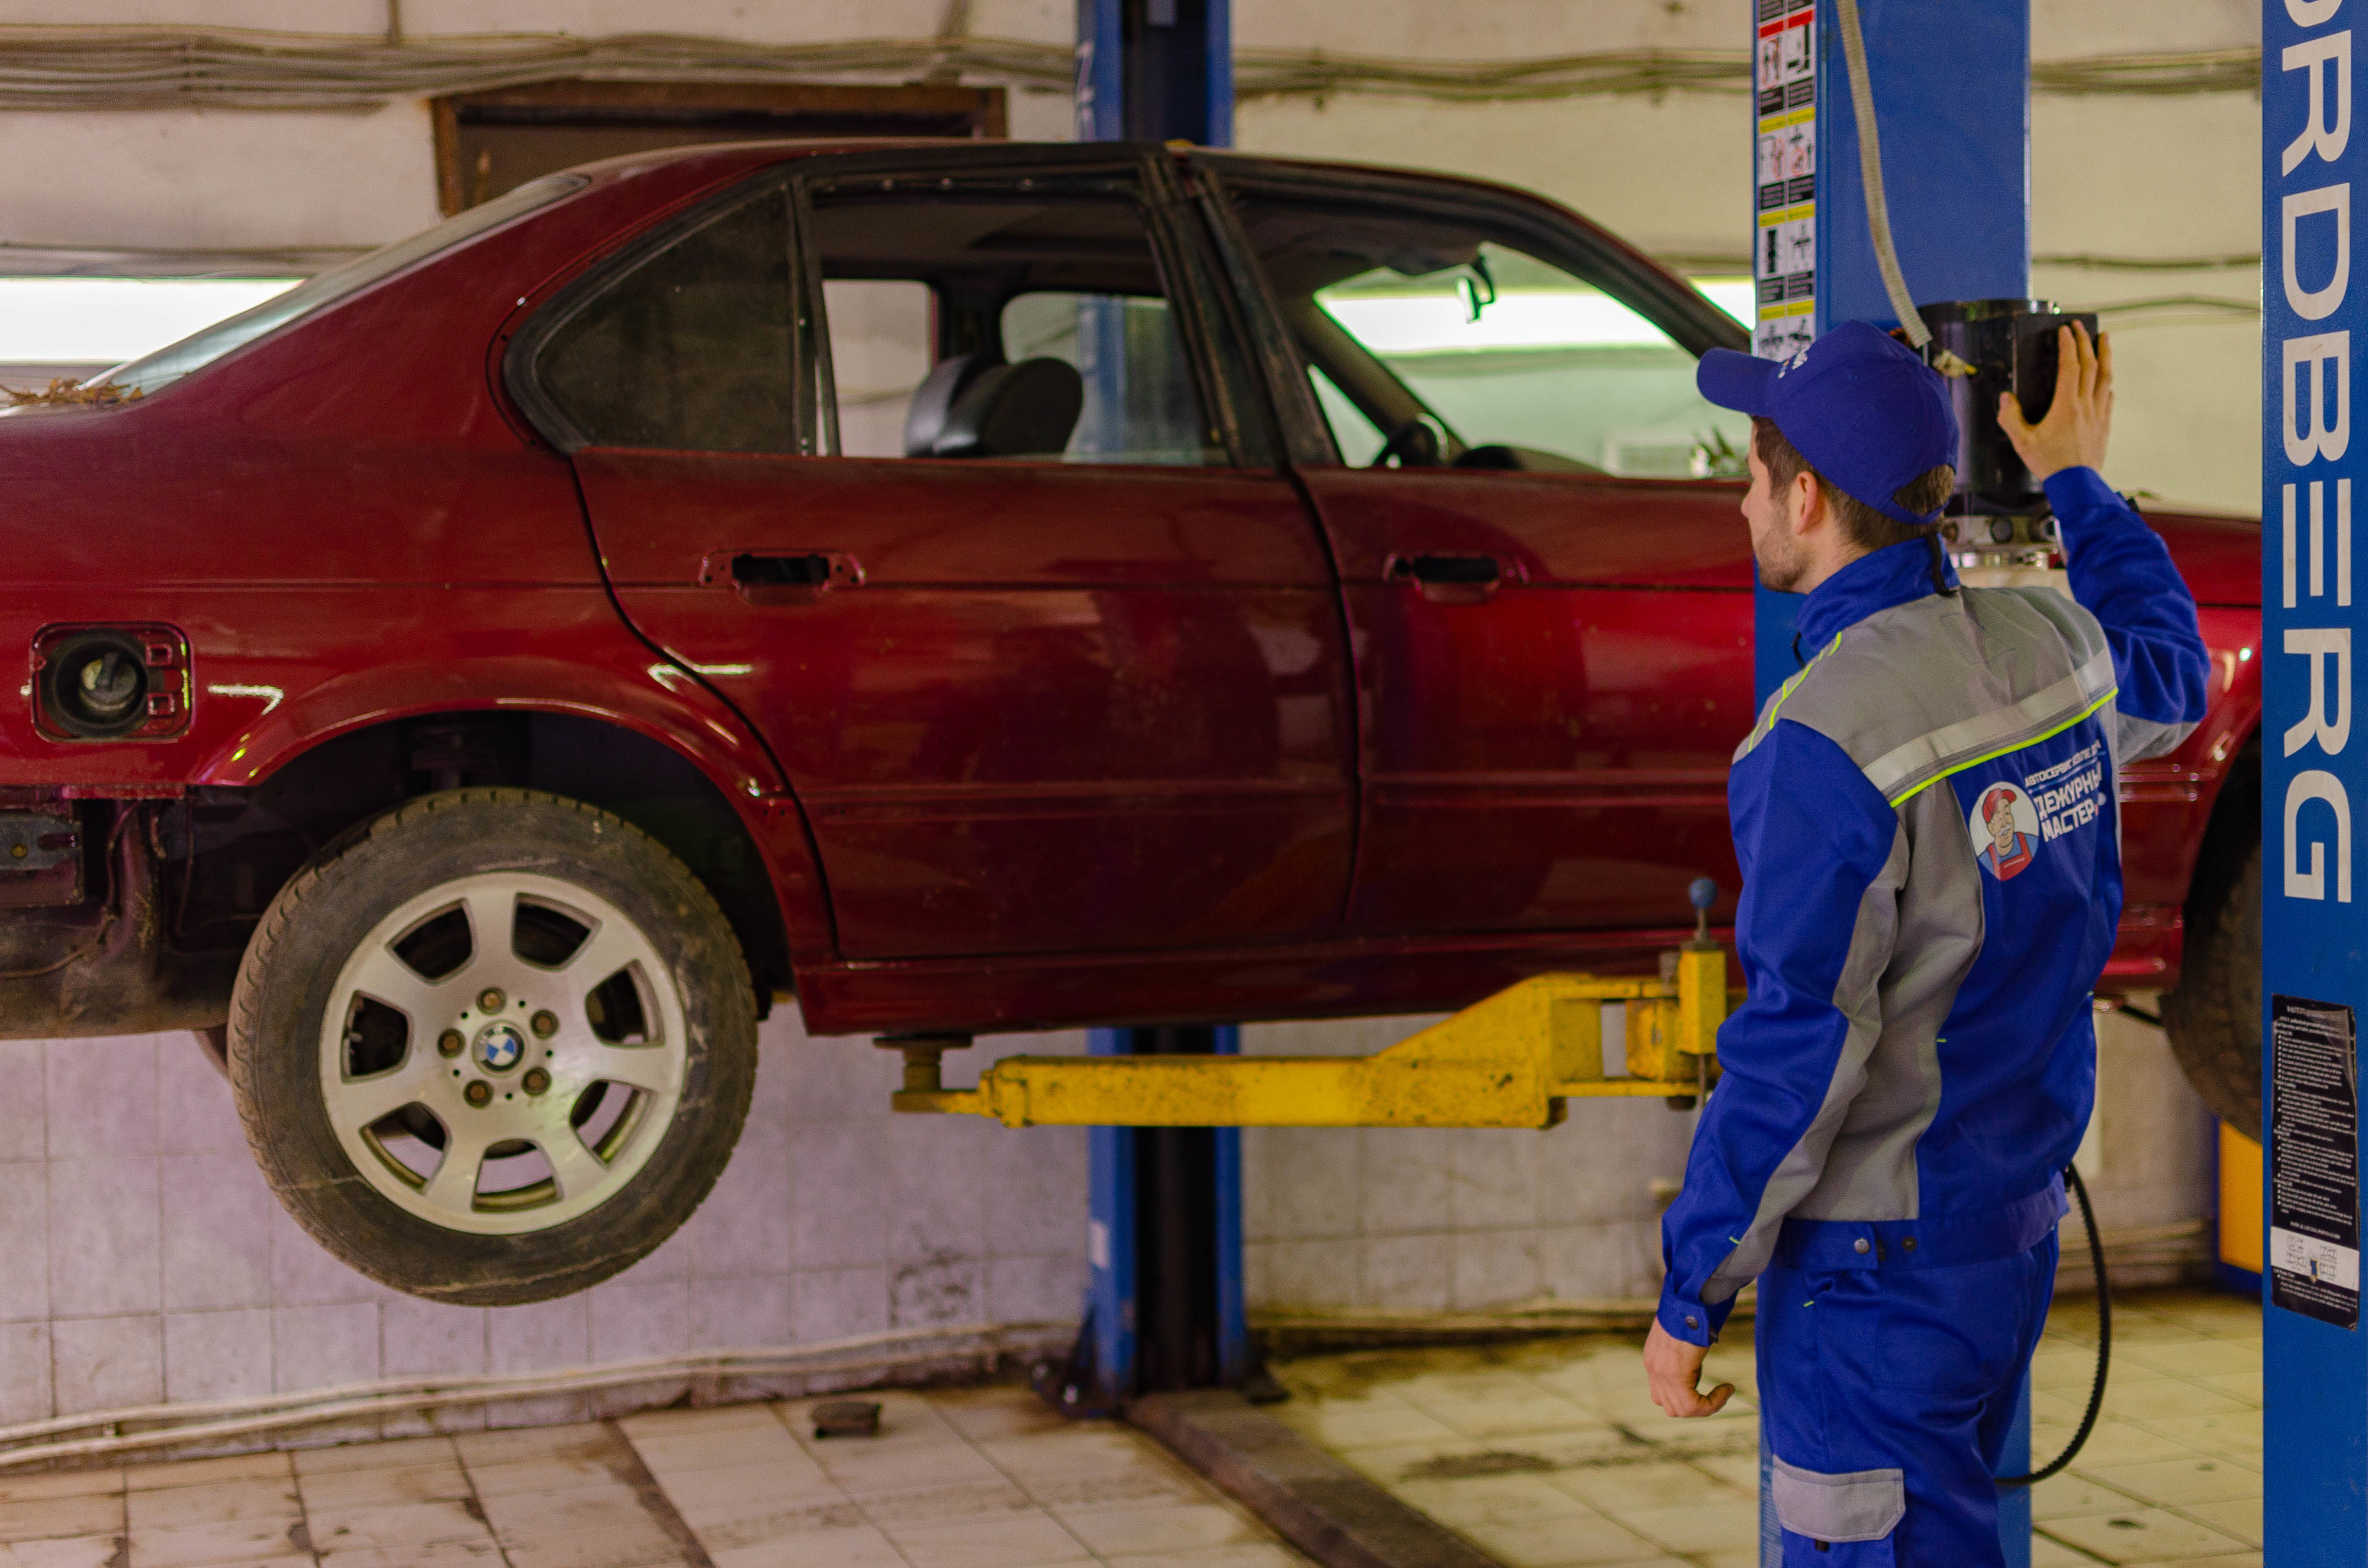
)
(1931, 876)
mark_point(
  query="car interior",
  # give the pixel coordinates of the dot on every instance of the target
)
(1024, 327)
(1430, 342)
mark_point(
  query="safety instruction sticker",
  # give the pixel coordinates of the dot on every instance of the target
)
(2314, 1251)
(1784, 249)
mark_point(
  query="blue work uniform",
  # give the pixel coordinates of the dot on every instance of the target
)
(1926, 821)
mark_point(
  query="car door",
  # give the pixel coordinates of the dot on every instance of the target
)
(934, 466)
(1535, 520)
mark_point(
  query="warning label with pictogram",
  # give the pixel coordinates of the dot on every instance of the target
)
(1785, 245)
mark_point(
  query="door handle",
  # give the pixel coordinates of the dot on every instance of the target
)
(1449, 579)
(780, 576)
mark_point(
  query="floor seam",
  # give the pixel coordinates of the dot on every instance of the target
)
(1022, 1488)
(476, 1503)
(656, 1503)
(780, 1410)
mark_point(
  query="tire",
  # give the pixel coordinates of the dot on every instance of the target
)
(2214, 1018)
(613, 1071)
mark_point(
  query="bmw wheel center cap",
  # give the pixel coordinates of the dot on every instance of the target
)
(499, 1046)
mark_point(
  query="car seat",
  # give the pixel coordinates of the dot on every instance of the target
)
(924, 416)
(995, 410)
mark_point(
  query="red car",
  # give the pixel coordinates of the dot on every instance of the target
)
(963, 587)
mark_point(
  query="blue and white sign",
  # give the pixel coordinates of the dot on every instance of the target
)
(2314, 978)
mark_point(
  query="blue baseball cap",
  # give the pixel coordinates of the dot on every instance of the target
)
(1861, 405)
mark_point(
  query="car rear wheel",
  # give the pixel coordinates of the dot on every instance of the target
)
(2214, 1018)
(493, 1047)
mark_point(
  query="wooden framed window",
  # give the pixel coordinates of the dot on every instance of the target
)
(491, 141)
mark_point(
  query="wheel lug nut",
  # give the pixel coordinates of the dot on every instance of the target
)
(449, 1042)
(535, 1081)
(478, 1092)
(545, 1023)
(490, 1000)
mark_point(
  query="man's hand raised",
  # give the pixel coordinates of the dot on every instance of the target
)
(1673, 1368)
(2074, 433)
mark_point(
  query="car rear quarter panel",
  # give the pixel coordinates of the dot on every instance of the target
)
(2167, 803)
(349, 527)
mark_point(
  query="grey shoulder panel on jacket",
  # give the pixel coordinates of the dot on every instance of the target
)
(1915, 692)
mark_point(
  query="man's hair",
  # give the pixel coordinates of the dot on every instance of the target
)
(1861, 524)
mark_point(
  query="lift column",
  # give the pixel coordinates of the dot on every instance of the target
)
(1164, 1304)
(2314, 976)
(1951, 84)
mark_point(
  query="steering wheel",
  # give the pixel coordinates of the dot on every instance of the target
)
(1414, 444)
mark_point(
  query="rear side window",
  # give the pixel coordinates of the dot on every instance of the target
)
(694, 350)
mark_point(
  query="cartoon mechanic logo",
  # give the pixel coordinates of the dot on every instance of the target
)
(2005, 826)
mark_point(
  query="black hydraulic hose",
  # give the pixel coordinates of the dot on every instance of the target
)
(2104, 1342)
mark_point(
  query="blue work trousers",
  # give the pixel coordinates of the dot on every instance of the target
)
(1888, 1394)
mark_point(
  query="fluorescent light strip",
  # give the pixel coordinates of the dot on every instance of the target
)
(1438, 323)
(51, 321)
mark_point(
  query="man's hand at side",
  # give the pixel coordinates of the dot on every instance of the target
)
(2074, 433)
(1674, 1370)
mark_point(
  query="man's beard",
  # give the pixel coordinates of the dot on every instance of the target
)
(1783, 561)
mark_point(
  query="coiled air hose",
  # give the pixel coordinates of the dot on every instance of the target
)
(2104, 1343)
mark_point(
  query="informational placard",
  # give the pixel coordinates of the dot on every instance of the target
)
(2314, 1251)
(1785, 253)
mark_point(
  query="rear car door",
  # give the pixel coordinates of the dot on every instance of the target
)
(939, 474)
(1535, 519)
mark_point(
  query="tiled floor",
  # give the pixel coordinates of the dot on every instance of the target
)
(983, 1478)
(1544, 1454)
(1549, 1453)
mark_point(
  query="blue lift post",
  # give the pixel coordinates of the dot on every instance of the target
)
(1163, 1304)
(1951, 86)
(2314, 975)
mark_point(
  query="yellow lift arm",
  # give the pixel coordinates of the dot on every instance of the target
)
(1511, 1061)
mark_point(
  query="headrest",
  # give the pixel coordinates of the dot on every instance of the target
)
(925, 417)
(1027, 409)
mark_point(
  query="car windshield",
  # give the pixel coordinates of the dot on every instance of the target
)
(146, 374)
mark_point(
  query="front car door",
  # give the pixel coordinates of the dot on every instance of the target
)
(932, 464)
(1535, 520)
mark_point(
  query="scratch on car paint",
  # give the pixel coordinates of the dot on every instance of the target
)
(273, 697)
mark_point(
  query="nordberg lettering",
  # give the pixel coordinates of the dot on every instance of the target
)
(2314, 236)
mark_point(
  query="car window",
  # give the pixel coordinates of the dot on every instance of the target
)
(996, 322)
(150, 372)
(1510, 358)
(1358, 439)
(1139, 404)
(692, 348)
(880, 333)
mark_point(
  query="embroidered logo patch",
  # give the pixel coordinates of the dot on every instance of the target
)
(2005, 827)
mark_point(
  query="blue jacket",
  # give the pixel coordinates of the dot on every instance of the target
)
(1926, 821)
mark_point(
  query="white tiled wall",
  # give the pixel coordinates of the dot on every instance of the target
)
(1432, 1220)
(143, 1259)
(1424, 1220)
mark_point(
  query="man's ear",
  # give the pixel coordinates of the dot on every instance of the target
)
(1808, 508)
